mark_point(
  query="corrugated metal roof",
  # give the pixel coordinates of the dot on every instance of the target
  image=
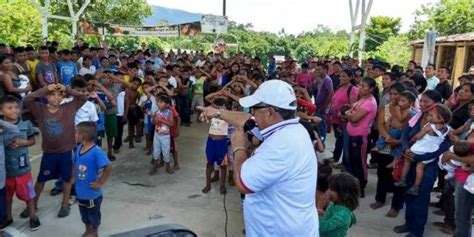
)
(468, 37)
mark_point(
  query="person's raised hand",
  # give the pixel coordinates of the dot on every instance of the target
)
(238, 138)
(207, 113)
(52, 87)
(446, 157)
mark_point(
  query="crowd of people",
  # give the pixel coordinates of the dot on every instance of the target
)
(413, 125)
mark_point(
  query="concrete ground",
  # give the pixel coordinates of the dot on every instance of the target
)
(177, 198)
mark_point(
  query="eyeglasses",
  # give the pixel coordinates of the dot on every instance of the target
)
(259, 106)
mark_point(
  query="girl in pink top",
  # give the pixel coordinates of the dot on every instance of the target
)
(360, 118)
(345, 95)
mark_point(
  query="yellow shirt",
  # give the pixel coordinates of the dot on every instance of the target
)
(140, 89)
(378, 80)
(32, 65)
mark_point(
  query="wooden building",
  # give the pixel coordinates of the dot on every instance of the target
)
(455, 52)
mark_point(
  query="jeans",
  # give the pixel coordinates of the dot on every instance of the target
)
(338, 135)
(385, 181)
(416, 213)
(464, 200)
(3, 203)
(161, 145)
(322, 126)
(356, 159)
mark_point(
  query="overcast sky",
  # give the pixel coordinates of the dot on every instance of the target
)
(296, 15)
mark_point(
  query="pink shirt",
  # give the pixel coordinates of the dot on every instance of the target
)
(340, 99)
(304, 79)
(461, 175)
(362, 127)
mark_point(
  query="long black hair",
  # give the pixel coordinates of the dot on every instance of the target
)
(373, 85)
(347, 188)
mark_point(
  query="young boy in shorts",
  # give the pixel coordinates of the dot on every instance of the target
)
(132, 111)
(8, 133)
(18, 166)
(91, 169)
(56, 123)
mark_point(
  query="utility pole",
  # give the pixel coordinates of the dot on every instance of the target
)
(223, 10)
(365, 10)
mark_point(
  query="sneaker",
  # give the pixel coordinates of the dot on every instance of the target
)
(413, 190)
(34, 224)
(64, 211)
(25, 213)
(5, 223)
(401, 183)
(55, 192)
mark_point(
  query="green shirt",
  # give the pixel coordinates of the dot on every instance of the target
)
(335, 222)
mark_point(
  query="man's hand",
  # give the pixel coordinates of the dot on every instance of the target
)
(207, 113)
(238, 138)
(96, 185)
(447, 156)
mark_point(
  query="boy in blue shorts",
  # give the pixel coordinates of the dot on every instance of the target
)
(17, 162)
(91, 169)
(56, 123)
(216, 147)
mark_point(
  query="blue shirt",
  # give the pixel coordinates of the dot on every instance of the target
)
(16, 159)
(87, 166)
(67, 71)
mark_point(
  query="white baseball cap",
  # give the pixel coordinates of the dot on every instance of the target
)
(276, 93)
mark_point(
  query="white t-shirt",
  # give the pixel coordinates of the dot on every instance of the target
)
(87, 113)
(282, 177)
(172, 81)
(91, 70)
(121, 103)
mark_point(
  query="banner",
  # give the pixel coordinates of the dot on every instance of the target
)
(213, 24)
(428, 52)
(186, 29)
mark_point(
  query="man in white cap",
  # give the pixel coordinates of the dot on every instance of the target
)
(280, 177)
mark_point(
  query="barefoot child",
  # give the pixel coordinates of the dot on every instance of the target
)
(344, 196)
(400, 115)
(132, 110)
(163, 121)
(216, 147)
(427, 140)
(91, 169)
(18, 166)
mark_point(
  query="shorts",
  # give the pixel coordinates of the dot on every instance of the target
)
(90, 211)
(216, 151)
(134, 116)
(22, 186)
(55, 165)
(111, 125)
(198, 100)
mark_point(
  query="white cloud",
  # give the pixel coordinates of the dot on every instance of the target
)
(296, 15)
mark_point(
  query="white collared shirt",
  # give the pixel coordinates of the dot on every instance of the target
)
(432, 82)
(282, 177)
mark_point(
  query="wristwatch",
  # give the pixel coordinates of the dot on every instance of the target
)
(218, 115)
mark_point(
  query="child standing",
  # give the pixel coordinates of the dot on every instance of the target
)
(91, 169)
(338, 216)
(56, 123)
(146, 104)
(163, 121)
(427, 140)
(216, 147)
(18, 166)
(132, 111)
(46, 72)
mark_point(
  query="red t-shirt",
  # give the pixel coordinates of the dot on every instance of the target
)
(461, 175)
(310, 107)
(174, 128)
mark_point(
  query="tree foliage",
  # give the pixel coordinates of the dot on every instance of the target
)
(396, 50)
(20, 23)
(447, 17)
(379, 30)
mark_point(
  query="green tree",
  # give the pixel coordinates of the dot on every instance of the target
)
(379, 29)
(20, 23)
(396, 50)
(447, 17)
